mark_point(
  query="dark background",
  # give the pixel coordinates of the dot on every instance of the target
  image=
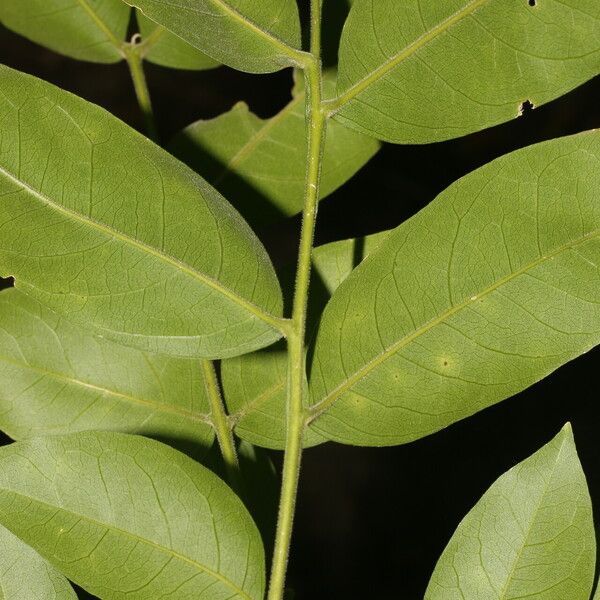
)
(371, 523)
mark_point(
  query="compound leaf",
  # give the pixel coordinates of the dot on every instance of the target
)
(487, 290)
(124, 516)
(260, 163)
(90, 30)
(99, 223)
(255, 383)
(530, 536)
(421, 71)
(56, 377)
(25, 575)
(257, 36)
(168, 50)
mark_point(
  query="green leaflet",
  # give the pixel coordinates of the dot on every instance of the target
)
(257, 36)
(124, 516)
(487, 290)
(56, 377)
(95, 30)
(84, 29)
(99, 223)
(421, 71)
(168, 50)
(530, 536)
(255, 384)
(25, 575)
(260, 163)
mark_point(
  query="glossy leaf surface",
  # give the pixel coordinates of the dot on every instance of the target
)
(168, 50)
(56, 377)
(255, 384)
(530, 536)
(84, 29)
(124, 516)
(260, 163)
(25, 575)
(421, 71)
(257, 36)
(99, 223)
(487, 290)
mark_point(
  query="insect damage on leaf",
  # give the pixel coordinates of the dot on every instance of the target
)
(526, 107)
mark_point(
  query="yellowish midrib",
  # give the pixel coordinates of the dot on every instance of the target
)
(271, 320)
(232, 586)
(257, 138)
(100, 23)
(160, 407)
(270, 37)
(360, 86)
(321, 406)
(526, 535)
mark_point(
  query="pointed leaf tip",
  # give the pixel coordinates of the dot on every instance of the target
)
(530, 535)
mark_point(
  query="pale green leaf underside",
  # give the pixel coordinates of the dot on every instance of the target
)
(168, 50)
(420, 71)
(56, 377)
(255, 383)
(260, 163)
(124, 516)
(487, 290)
(84, 29)
(530, 536)
(25, 575)
(257, 36)
(99, 223)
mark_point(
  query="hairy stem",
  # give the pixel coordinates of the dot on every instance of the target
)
(221, 425)
(134, 58)
(296, 414)
(315, 28)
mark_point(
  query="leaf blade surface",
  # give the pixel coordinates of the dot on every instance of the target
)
(257, 36)
(83, 29)
(58, 378)
(25, 575)
(168, 50)
(123, 515)
(91, 211)
(420, 72)
(261, 163)
(486, 291)
(530, 535)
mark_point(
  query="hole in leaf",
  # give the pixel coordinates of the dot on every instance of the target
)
(532, 2)
(526, 107)
(6, 283)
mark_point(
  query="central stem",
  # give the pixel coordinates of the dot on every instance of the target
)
(296, 414)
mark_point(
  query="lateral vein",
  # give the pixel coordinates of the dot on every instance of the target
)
(360, 86)
(267, 318)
